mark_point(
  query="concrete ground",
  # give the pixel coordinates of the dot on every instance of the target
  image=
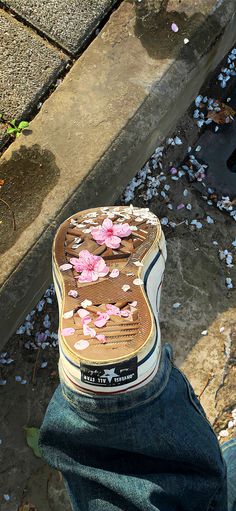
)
(39, 41)
(195, 279)
(91, 136)
(201, 326)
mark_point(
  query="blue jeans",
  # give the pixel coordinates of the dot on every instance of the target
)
(229, 454)
(151, 449)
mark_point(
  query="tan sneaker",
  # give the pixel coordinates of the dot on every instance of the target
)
(108, 266)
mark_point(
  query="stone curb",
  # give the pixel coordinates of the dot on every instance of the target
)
(120, 99)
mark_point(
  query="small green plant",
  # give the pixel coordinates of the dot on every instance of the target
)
(16, 130)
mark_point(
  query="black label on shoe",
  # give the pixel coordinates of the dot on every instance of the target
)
(111, 375)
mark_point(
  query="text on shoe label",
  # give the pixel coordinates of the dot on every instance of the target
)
(111, 375)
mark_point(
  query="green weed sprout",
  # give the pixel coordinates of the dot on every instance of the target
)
(16, 130)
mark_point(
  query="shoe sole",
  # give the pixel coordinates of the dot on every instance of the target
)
(127, 340)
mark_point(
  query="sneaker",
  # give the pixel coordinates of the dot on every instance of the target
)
(108, 266)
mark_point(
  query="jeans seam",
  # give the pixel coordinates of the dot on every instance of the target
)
(225, 447)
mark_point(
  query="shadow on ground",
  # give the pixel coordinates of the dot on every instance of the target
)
(153, 22)
(29, 176)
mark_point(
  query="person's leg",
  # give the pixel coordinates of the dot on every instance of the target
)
(124, 427)
(229, 455)
(151, 449)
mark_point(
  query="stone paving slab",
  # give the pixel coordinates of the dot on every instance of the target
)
(28, 66)
(95, 132)
(69, 23)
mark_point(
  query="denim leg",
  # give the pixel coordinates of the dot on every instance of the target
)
(151, 449)
(229, 454)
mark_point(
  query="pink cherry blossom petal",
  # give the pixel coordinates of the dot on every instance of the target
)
(101, 338)
(125, 287)
(81, 345)
(82, 313)
(86, 276)
(174, 27)
(98, 235)
(89, 331)
(107, 224)
(122, 230)
(101, 268)
(112, 241)
(102, 319)
(112, 310)
(86, 320)
(86, 303)
(68, 314)
(67, 331)
(100, 322)
(65, 267)
(125, 313)
(137, 282)
(138, 263)
(114, 273)
(73, 293)
(96, 275)
(133, 304)
(76, 263)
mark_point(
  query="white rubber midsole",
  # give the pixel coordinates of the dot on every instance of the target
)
(72, 376)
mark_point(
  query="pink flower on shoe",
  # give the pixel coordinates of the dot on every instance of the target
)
(101, 338)
(90, 266)
(89, 331)
(83, 313)
(102, 320)
(125, 313)
(112, 310)
(86, 320)
(110, 234)
(67, 331)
